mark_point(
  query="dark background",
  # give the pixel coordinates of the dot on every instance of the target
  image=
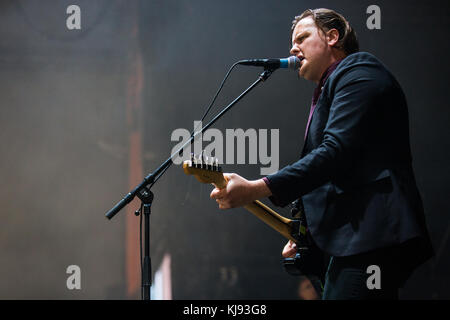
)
(65, 150)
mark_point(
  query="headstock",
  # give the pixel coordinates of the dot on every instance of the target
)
(204, 169)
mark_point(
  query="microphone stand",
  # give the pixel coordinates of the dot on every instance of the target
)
(143, 192)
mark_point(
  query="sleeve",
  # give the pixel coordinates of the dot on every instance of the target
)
(272, 198)
(355, 96)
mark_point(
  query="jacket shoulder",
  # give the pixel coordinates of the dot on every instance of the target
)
(360, 59)
(360, 65)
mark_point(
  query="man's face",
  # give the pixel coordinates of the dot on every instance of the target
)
(310, 44)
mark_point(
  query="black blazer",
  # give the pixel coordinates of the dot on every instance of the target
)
(355, 175)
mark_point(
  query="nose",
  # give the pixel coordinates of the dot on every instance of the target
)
(295, 51)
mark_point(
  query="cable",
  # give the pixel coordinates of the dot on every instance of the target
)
(161, 174)
(215, 97)
(201, 121)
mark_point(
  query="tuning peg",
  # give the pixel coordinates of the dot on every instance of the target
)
(211, 163)
(218, 168)
(194, 160)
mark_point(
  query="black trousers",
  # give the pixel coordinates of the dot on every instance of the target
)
(355, 277)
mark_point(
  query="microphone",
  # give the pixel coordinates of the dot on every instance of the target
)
(290, 63)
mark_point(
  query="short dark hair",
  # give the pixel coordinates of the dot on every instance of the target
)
(327, 19)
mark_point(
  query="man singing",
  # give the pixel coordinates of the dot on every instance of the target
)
(354, 177)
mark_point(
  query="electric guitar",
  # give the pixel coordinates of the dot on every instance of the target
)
(208, 171)
(308, 260)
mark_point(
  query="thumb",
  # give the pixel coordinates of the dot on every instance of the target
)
(228, 176)
(215, 193)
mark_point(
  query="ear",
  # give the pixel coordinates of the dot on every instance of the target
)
(332, 37)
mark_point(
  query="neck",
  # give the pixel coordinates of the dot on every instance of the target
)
(336, 55)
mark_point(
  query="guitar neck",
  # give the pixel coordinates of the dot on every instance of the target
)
(210, 173)
(277, 222)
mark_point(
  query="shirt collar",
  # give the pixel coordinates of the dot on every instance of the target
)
(328, 72)
(323, 79)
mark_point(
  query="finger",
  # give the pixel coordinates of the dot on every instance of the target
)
(223, 204)
(289, 249)
(289, 245)
(289, 253)
(215, 194)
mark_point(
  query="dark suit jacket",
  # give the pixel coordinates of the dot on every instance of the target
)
(355, 176)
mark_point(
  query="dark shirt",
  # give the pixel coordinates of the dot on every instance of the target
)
(318, 91)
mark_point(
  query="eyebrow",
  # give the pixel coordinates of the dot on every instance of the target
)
(301, 35)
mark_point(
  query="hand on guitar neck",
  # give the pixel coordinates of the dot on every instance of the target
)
(234, 191)
(238, 191)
